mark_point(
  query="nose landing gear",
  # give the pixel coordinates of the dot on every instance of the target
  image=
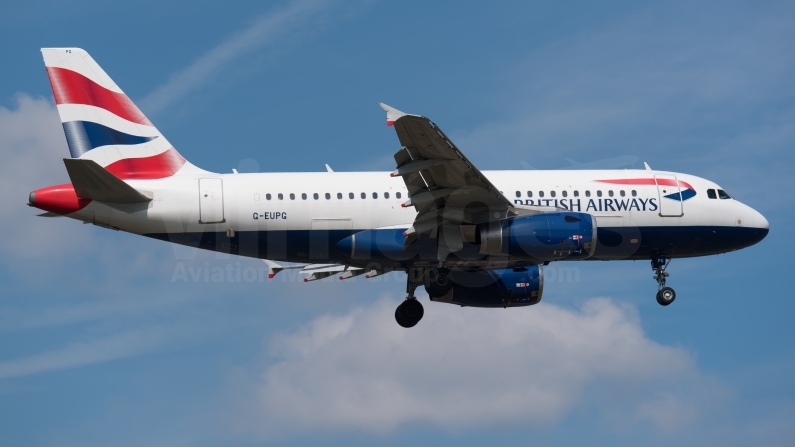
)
(665, 295)
(410, 312)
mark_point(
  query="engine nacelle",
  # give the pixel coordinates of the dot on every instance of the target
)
(387, 246)
(488, 288)
(542, 237)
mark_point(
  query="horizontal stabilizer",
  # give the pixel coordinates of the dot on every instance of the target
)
(92, 181)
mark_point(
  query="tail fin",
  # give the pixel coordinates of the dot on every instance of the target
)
(103, 125)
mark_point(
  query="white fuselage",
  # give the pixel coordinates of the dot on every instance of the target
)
(274, 202)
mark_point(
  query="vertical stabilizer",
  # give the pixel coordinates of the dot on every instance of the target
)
(102, 124)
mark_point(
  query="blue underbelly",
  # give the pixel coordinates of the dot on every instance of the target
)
(318, 246)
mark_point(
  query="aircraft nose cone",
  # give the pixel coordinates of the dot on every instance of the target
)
(760, 228)
(760, 221)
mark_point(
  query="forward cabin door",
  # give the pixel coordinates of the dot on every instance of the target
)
(670, 196)
(211, 200)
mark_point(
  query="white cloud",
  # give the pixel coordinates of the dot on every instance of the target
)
(265, 30)
(467, 368)
(85, 353)
(32, 145)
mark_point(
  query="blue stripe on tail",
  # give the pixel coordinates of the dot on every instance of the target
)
(82, 136)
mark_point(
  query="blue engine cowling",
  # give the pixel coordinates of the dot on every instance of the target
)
(488, 288)
(386, 246)
(542, 237)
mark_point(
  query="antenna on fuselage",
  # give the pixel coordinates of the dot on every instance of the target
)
(647, 166)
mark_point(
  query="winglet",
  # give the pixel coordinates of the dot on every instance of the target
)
(392, 114)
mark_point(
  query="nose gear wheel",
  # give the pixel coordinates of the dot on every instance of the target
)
(665, 295)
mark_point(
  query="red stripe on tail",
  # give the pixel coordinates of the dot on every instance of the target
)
(70, 87)
(148, 168)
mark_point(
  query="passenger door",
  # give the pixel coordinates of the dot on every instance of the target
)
(670, 196)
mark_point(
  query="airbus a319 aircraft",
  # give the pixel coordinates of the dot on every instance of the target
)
(470, 237)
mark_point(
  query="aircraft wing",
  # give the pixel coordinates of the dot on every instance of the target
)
(447, 190)
(314, 272)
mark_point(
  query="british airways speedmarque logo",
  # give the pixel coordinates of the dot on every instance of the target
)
(685, 190)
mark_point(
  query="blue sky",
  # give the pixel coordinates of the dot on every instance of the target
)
(101, 343)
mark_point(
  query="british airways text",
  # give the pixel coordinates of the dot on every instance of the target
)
(636, 204)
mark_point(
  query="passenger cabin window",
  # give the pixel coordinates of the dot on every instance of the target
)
(587, 193)
(364, 195)
(398, 195)
(598, 193)
(350, 195)
(634, 193)
(280, 196)
(723, 194)
(576, 193)
(375, 195)
(518, 194)
(565, 193)
(267, 196)
(610, 193)
(315, 196)
(540, 193)
(529, 193)
(386, 195)
(328, 196)
(292, 196)
(622, 193)
(303, 196)
(339, 195)
(711, 194)
(552, 194)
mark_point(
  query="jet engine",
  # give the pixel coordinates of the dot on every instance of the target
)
(543, 237)
(487, 288)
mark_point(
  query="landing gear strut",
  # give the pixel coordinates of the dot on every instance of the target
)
(410, 312)
(665, 295)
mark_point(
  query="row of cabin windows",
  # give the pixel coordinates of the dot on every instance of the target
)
(720, 193)
(316, 196)
(576, 193)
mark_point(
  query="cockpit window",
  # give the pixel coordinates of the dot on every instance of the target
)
(711, 194)
(723, 194)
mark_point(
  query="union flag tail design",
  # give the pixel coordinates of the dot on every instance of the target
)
(102, 124)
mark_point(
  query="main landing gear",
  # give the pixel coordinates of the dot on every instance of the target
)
(665, 295)
(410, 312)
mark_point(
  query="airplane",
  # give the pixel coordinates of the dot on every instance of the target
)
(470, 237)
